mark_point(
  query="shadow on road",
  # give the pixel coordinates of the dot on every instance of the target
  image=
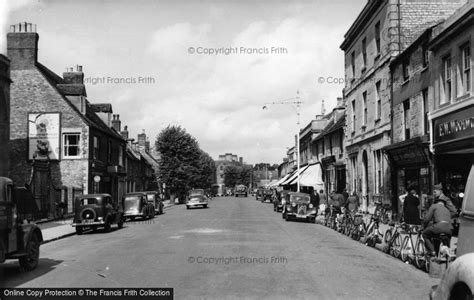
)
(11, 275)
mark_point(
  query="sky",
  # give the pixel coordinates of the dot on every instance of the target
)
(208, 66)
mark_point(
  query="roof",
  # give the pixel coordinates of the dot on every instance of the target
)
(332, 126)
(96, 122)
(72, 89)
(102, 107)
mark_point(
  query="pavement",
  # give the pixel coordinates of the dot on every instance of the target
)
(55, 230)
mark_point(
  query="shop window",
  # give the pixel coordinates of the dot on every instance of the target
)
(71, 145)
(378, 180)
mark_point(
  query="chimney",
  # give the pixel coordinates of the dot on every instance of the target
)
(22, 46)
(241, 160)
(124, 133)
(340, 103)
(323, 109)
(116, 123)
(74, 77)
(147, 145)
(141, 137)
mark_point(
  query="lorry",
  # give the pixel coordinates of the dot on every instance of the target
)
(19, 238)
(240, 190)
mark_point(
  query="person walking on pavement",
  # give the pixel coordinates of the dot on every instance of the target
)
(322, 198)
(410, 208)
(441, 217)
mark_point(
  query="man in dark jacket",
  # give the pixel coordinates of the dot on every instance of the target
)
(441, 217)
(410, 208)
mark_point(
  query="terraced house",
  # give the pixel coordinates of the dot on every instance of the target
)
(382, 30)
(61, 143)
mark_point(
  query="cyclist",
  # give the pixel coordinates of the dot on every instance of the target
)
(441, 217)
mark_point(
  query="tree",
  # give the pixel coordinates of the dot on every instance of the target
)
(235, 174)
(183, 165)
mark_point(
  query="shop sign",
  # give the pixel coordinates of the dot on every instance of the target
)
(457, 125)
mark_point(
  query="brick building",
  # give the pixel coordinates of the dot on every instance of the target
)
(61, 144)
(382, 30)
(4, 114)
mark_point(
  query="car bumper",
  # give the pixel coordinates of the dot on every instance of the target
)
(196, 203)
(128, 215)
(302, 217)
(95, 223)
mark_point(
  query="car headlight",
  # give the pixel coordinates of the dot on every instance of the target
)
(100, 218)
(283, 202)
(293, 204)
(311, 205)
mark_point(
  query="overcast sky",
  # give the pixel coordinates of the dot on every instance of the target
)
(158, 50)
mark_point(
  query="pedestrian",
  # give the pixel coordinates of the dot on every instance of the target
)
(315, 198)
(345, 194)
(411, 212)
(353, 202)
(322, 198)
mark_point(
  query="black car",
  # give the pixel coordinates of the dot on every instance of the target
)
(97, 210)
(298, 206)
(259, 194)
(267, 195)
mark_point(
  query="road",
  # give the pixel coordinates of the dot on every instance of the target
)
(238, 248)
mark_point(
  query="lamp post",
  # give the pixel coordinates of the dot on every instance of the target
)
(296, 103)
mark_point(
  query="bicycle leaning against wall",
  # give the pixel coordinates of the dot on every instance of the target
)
(414, 252)
(393, 239)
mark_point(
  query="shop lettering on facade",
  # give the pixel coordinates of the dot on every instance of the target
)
(457, 125)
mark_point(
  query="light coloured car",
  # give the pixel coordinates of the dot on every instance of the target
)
(197, 198)
(458, 280)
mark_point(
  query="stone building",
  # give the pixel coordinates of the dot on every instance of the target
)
(451, 120)
(4, 114)
(61, 144)
(381, 31)
(223, 161)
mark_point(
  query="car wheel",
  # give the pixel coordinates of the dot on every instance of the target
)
(205, 206)
(30, 261)
(78, 230)
(132, 218)
(94, 228)
(187, 207)
(120, 223)
(287, 217)
(107, 226)
(461, 291)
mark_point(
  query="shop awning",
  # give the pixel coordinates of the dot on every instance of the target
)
(283, 178)
(292, 179)
(311, 176)
(408, 153)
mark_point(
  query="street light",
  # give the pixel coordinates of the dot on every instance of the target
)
(295, 102)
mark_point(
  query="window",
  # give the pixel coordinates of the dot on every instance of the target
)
(354, 173)
(426, 124)
(95, 153)
(424, 54)
(406, 74)
(71, 145)
(353, 115)
(109, 151)
(466, 69)
(353, 65)
(364, 53)
(364, 99)
(378, 171)
(377, 38)
(406, 118)
(378, 100)
(120, 156)
(446, 81)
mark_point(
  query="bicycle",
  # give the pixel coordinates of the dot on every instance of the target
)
(373, 235)
(415, 252)
(330, 220)
(393, 240)
(384, 211)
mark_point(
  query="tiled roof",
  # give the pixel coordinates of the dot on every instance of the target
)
(72, 89)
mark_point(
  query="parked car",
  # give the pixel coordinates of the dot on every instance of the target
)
(154, 199)
(277, 202)
(299, 206)
(260, 194)
(196, 198)
(136, 205)
(240, 190)
(19, 239)
(96, 210)
(267, 195)
(458, 280)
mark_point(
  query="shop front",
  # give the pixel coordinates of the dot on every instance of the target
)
(453, 145)
(410, 163)
(334, 174)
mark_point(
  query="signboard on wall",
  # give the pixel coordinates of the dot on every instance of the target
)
(44, 135)
(454, 126)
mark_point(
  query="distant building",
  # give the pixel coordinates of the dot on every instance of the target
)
(223, 161)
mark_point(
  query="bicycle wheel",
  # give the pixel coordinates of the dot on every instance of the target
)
(396, 246)
(388, 236)
(420, 254)
(406, 249)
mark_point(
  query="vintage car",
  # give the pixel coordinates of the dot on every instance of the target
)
(259, 194)
(136, 205)
(240, 190)
(298, 206)
(277, 202)
(195, 198)
(154, 199)
(457, 281)
(19, 239)
(267, 195)
(96, 210)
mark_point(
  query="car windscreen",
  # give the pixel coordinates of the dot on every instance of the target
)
(300, 198)
(89, 201)
(131, 201)
(196, 192)
(150, 197)
(196, 198)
